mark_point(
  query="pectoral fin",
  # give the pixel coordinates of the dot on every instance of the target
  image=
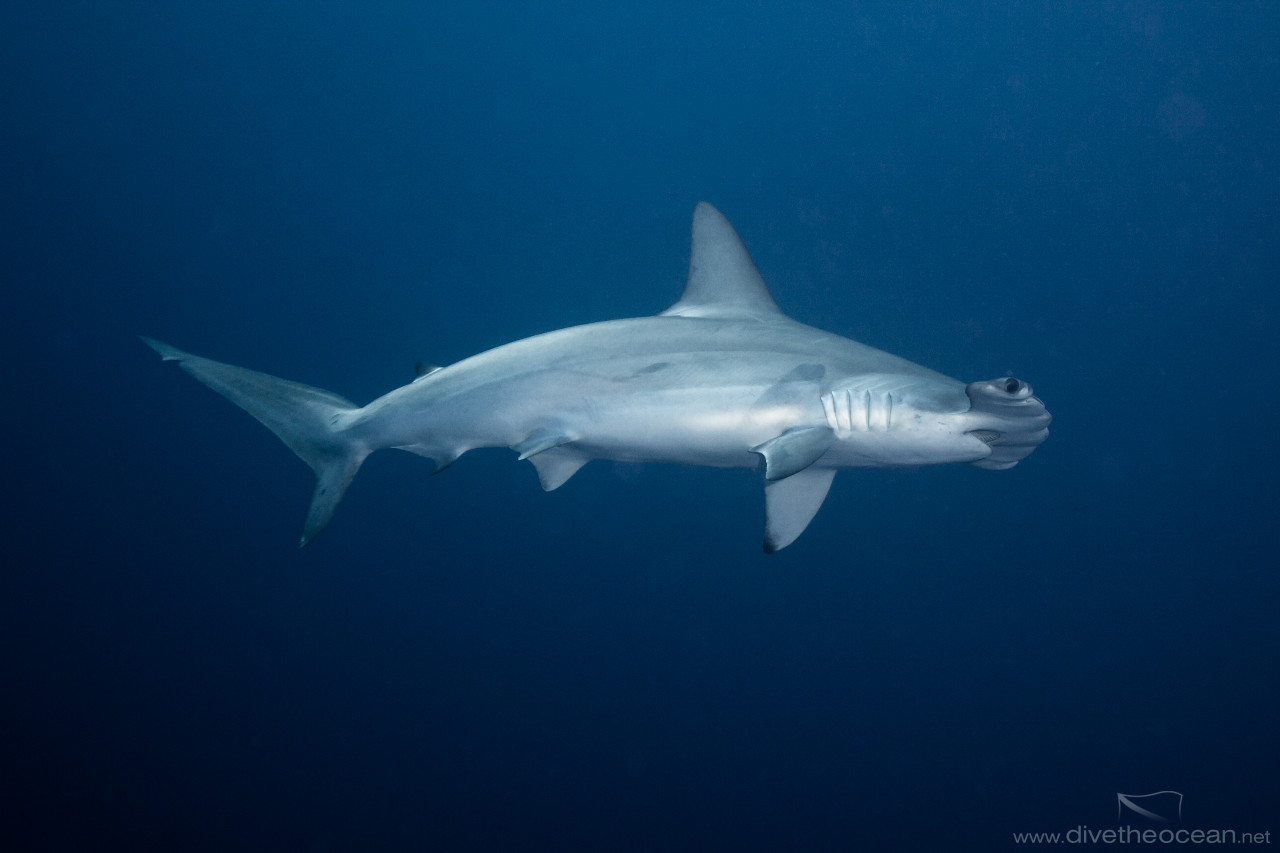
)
(791, 503)
(793, 451)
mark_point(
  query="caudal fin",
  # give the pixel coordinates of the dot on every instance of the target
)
(305, 418)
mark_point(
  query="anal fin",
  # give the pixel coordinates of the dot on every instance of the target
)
(442, 456)
(791, 503)
(556, 465)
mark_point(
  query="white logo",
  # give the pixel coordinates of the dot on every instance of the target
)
(1162, 806)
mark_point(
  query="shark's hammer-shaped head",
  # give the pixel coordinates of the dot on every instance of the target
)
(1006, 416)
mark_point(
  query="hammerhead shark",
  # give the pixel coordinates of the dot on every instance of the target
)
(721, 378)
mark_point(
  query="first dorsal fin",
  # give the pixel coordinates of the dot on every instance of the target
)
(723, 280)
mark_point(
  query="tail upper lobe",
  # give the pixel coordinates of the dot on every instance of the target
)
(307, 419)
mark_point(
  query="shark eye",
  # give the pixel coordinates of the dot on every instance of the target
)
(1012, 386)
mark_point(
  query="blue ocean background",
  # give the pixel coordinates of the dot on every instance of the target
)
(1083, 195)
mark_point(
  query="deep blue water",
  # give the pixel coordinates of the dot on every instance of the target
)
(1085, 195)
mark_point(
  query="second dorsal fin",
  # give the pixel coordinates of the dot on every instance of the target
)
(423, 369)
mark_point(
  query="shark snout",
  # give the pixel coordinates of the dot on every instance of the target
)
(1006, 415)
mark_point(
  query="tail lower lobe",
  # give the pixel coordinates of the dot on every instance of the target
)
(307, 419)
